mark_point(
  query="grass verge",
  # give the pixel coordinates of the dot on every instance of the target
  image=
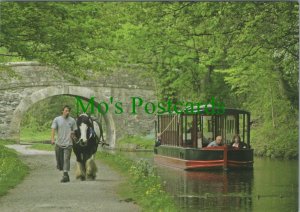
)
(142, 184)
(134, 143)
(7, 142)
(31, 135)
(12, 170)
(46, 147)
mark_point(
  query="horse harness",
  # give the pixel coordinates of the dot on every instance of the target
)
(92, 134)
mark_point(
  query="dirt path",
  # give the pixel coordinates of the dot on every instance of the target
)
(42, 191)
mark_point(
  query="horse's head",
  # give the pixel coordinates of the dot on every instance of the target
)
(85, 127)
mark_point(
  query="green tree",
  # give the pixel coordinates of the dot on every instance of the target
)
(244, 53)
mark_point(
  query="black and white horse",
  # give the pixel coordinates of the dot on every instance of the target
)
(88, 135)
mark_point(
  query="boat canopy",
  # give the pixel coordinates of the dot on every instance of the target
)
(196, 127)
(207, 109)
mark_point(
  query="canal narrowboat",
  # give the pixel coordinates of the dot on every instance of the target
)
(183, 139)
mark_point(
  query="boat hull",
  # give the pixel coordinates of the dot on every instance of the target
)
(204, 158)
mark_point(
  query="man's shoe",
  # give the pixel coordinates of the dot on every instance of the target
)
(65, 178)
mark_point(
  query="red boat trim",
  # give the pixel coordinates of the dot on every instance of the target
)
(221, 148)
(240, 162)
(198, 164)
(225, 157)
(188, 164)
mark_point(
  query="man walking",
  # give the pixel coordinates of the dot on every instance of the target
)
(64, 126)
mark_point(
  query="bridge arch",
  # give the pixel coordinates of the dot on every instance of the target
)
(25, 83)
(69, 90)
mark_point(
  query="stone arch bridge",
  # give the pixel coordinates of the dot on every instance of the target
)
(33, 82)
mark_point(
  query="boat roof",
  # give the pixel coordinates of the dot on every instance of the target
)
(201, 110)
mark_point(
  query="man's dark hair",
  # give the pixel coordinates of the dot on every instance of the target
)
(66, 106)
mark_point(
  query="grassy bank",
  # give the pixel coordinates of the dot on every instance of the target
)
(12, 170)
(143, 185)
(46, 147)
(134, 143)
(279, 143)
(33, 135)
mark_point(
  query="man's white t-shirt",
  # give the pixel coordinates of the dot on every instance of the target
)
(64, 127)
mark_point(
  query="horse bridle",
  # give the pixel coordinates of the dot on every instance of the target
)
(93, 133)
(98, 139)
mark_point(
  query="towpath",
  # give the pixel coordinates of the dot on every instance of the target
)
(42, 190)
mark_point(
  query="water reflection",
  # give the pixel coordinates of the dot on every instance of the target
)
(271, 186)
(218, 191)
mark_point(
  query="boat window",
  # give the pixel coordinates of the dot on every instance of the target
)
(188, 130)
(207, 123)
(242, 125)
(219, 126)
(209, 126)
(244, 128)
(169, 128)
(230, 128)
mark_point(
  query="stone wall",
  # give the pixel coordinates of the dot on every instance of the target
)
(32, 82)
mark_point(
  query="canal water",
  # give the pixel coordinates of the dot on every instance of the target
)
(271, 186)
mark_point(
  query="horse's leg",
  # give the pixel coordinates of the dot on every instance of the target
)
(80, 171)
(79, 166)
(83, 177)
(91, 168)
(85, 165)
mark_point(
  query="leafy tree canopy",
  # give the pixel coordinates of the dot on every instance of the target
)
(245, 54)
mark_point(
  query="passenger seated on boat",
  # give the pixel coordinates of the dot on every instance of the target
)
(236, 142)
(217, 142)
(158, 140)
